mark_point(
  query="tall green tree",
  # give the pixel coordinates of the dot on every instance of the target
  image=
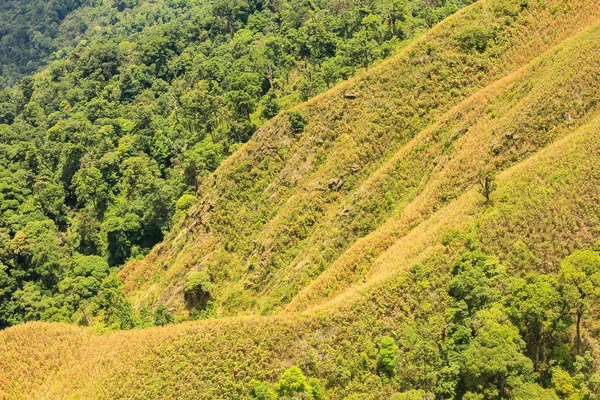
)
(579, 280)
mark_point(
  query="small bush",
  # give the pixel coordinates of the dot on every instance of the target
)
(261, 390)
(185, 202)
(292, 381)
(291, 385)
(297, 121)
(487, 185)
(386, 360)
(475, 38)
(198, 282)
(162, 316)
(198, 288)
(270, 106)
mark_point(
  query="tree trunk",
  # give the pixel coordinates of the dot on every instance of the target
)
(87, 320)
(578, 338)
(270, 76)
(537, 354)
(230, 26)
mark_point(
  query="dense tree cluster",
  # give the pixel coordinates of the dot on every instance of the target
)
(33, 32)
(101, 152)
(517, 337)
(30, 31)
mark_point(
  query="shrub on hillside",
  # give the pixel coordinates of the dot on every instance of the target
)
(199, 283)
(292, 384)
(162, 316)
(185, 202)
(261, 390)
(475, 38)
(198, 288)
(270, 106)
(297, 121)
(386, 360)
(487, 185)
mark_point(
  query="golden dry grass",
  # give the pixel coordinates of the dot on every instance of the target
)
(484, 121)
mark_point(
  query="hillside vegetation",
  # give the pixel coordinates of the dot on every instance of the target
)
(289, 206)
(340, 347)
(101, 152)
(428, 229)
(34, 32)
(29, 33)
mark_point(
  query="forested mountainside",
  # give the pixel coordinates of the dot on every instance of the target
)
(30, 31)
(105, 148)
(34, 32)
(427, 229)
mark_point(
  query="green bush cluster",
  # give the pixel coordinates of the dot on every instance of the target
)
(162, 316)
(512, 337)
(291, 384)
(297, 121)
(387, 357)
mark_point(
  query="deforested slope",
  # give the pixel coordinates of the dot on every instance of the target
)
(287, 206)
(355, 226)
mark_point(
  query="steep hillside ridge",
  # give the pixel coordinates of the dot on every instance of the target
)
(273, 217)
(219, 357)
(505, 122)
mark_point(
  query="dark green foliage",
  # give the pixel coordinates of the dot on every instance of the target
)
(30, 33)
(198, 288)
(116, 308)
(472, 286)
(493, 363)
(270, 107)
(162, 316)
(579, 280)
(476, 38)
(363, 48)
(511, 335)
(297, 121)
(537, 308)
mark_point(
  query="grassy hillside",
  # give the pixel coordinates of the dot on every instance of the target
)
(213, 357)
(288, 206)
(351, 232)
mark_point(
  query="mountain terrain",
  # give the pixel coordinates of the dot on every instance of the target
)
(425, 229)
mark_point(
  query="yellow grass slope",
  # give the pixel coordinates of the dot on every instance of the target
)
(217, 358)
(498, 126)
(286, 207)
